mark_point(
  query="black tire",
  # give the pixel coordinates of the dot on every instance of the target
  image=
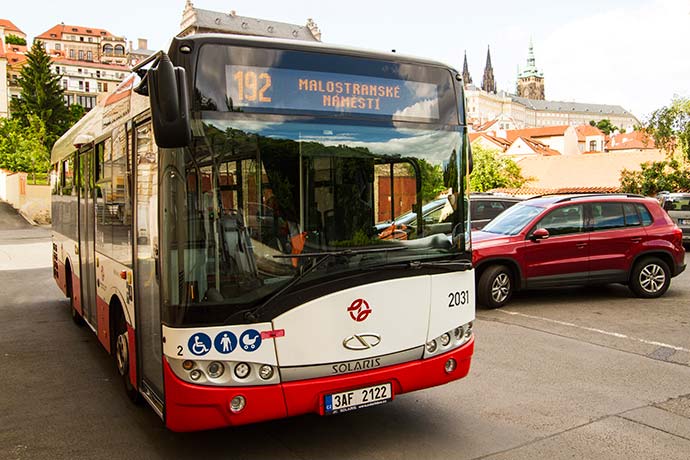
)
(76, 317)
(120, 351)
(650, 278)
(495, 287)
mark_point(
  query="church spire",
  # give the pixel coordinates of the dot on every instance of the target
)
(466, 78)
(488, 83)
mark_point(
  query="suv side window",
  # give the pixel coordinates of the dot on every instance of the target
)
(632, 218)
(607, 216)
(563, 221)
(644, 213)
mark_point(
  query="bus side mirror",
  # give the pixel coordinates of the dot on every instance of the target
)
(167, 87)
(470, 161)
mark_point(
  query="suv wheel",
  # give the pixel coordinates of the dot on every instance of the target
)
(495, 286)
(650, 278)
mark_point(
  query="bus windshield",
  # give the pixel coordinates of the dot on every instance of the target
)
(257, 193)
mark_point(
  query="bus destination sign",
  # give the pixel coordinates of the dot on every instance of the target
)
(290, 89)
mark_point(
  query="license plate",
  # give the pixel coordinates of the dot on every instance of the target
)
(356, 399)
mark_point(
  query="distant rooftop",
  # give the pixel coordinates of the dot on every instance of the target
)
(195, 20)
(572, 107)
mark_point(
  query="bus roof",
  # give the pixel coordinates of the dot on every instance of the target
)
(300, 45)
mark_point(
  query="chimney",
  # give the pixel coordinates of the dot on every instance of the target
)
(142, 43)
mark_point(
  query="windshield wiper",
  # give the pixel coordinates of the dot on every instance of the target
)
(321, 257)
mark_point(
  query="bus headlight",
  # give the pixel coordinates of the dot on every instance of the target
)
(237, 403)
(266, 372)
(215, 369)
(195, 374)
(242, 370)
(445, 339)
(431, 346)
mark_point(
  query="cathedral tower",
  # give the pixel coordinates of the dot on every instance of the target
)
(530, 82)
(488, 83)
(466, 78)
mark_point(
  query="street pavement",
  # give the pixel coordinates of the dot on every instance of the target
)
(575, 373)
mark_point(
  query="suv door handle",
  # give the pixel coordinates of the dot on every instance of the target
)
(636, 239)
(580, 245)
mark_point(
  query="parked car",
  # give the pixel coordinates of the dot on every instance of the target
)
(561, 240)
(486, 206)
(437, 213)
(677, 205)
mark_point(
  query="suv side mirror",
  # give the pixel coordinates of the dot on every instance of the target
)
(539, 234)
(167, 88)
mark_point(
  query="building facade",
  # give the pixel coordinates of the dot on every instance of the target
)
(195, 21)
(10, 53)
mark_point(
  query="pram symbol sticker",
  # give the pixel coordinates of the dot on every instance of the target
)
(250, 340)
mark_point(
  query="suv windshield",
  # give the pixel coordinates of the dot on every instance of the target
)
(513, 219)
(253, 204)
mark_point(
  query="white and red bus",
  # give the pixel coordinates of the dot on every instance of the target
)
(217, 222)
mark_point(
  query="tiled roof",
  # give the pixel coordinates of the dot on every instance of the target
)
(546, 131)
(487, 125)
(578, 171)
(59, 29)
(9, 26)
(636, 140)
(93, 65)
(537, 191)
(539, 147)
(500, 142)
(587, 130)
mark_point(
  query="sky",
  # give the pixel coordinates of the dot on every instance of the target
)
(633, 53)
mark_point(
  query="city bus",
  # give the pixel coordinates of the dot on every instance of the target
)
(216, 223)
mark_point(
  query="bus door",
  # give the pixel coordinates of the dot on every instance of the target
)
(87, 224)
(148, 320)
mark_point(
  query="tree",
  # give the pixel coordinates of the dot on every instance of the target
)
(41, 96)
(604, 125)
(655, 177)
(669, 126)
(11, 39)
(492, 170)
(22, 148)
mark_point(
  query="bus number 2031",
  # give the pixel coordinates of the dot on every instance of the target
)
(458, 298)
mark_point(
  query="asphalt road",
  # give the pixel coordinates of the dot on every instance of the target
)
(577, 373)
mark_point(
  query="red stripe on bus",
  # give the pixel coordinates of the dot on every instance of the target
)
(132, 356)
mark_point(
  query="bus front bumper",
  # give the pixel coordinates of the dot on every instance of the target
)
(190, 407)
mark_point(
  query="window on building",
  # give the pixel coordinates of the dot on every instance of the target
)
(119, 50)
(99, 85)
(90, 39)
(107, 49)
(64, 84)
(592, 146)
(81, 85)
(81, 39)
(86, 86)
(98, 74)
(57, 69)
(57, 47)
(81, 55)
(71, 54)
(78, 70)
(105, 87)
(89, 56)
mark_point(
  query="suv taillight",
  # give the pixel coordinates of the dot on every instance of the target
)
(677, 236)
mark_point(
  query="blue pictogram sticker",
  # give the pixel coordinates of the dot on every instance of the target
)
(199, 344)
(328, 403)
(225, 342)
(250, 340)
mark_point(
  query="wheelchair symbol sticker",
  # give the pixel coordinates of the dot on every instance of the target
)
(199, 344)
(225, 342)
(250, 340)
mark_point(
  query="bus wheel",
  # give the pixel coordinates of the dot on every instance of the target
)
(495, 286)
(122, 355)
(76, 317)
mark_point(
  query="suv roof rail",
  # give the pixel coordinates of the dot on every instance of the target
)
(589, 195)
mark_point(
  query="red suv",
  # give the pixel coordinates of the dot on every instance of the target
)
(575, 240)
